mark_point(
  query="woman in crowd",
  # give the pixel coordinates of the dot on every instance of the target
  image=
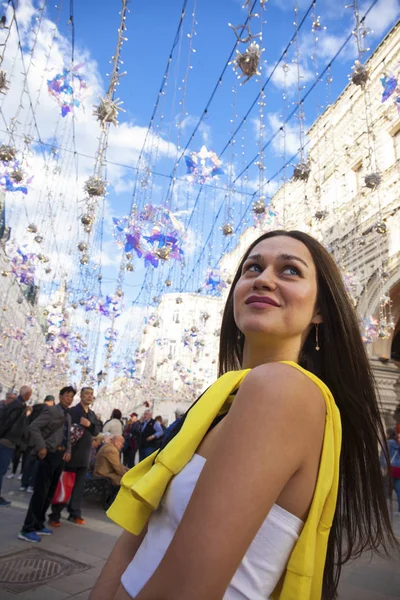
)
(114, 425)
(271, 481)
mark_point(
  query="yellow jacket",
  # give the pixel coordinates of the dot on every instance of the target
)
(142, 488)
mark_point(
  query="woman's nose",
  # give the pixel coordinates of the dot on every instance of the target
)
(265, 280)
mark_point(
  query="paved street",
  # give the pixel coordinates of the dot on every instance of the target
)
(69, 561)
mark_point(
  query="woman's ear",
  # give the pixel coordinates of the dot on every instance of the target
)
(317, 319)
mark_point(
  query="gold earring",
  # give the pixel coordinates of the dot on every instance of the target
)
(316, 338)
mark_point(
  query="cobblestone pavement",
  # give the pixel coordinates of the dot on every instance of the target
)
(89, 545)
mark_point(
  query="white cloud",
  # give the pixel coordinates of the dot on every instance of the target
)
(288, 139)
(381, 16)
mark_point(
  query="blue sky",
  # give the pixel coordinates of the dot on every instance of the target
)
(151, 30)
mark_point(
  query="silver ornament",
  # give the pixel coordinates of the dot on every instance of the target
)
(302, 171)
(17, 175)
(259, 207)
(248, 61)
(32, 228)
(82, 247)
(321, 215)
(227, 229)
(360, 74)
(38, 239)
(179, 300)
(130, 267)
(7, 153)
(84, 259)
(107, 110)
(163, 252)
(168, 282)
(381, 227)
(95, 186)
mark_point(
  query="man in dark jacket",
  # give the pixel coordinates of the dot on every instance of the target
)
(151, 434)
(50, 434)
(13, 431)
(80, 415)
(32, 461)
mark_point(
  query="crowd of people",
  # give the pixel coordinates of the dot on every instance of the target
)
(60, 446)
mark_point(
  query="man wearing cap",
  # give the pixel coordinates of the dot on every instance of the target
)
(132, 438)
(32, 461)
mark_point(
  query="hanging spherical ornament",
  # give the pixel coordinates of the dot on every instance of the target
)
(119, 293)
(129, 255)
(360, 74)
(193, 329)
(227, 229)
(247, 62)
(20, 299)
(82, 301)
(107, 110)
(7, 153)
(32, 228)
(99, 277)
(45, 312)
(156, 323)
(84, 259)
(373, 180)
(204, 316)
(4, 273)
(130, 267)
(321, 215)
(4, 83)
(82, 247)
(43, 258)
(381, 227)
(17, 175)
(179, 300)
(95, 186)
(74, 305)
(163, 253)
(47, 270)
(302, 171)
(168, 282)
(259, 207)
(38, 239)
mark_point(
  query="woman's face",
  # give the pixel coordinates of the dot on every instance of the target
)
(277, 291)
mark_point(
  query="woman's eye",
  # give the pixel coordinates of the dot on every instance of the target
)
(291, 270)
(254, 267)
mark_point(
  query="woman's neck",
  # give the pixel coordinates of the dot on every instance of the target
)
(258, 354)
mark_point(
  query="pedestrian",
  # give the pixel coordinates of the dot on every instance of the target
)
(179, 412)
(108, 461)
(85, 419)
(51, 437)
(394, 460)
(114, 424)
(132, 439)
(160, 420)
(151, 434)
(13, 431)
(10, 397)
(254, 495)
(32, 461)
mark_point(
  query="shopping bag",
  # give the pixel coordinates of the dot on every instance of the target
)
(64, 488)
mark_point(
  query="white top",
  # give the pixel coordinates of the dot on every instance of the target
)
(114, 426)
(262, 565)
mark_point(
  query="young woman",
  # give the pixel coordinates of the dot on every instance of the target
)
(245, 500)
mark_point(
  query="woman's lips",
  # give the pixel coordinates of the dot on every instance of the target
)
(261, 301)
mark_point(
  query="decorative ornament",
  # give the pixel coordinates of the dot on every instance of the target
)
(43, 258)
(214, 282)
(47, 270)
(67, 88)
(259, 207)
(129, 255)
(156, 299)
(227, 229)
(4, 83)
(87, 221)
(391, 88)
(7, 153)
(130, 267)
(95, 186)
(302, 171)
(107, 110)
(202, 166)
(74, 305)
(119, 293)
(17, 175)
(99, 277)
(381, 227)
(4, 273)
(32, 228)
(168, 283)
(204, 316)
(179, 300)
(84, 259)
(163, 253)
(82, 247)
(360, 74)
(373, 180)
(248, 62)
(20, 300)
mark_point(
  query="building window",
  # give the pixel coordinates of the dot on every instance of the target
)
(358, 175)
(396, 143)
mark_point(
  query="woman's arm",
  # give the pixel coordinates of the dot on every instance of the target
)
(274, 427)
(123, 552)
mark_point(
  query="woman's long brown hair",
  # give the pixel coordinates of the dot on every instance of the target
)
(362, 520)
